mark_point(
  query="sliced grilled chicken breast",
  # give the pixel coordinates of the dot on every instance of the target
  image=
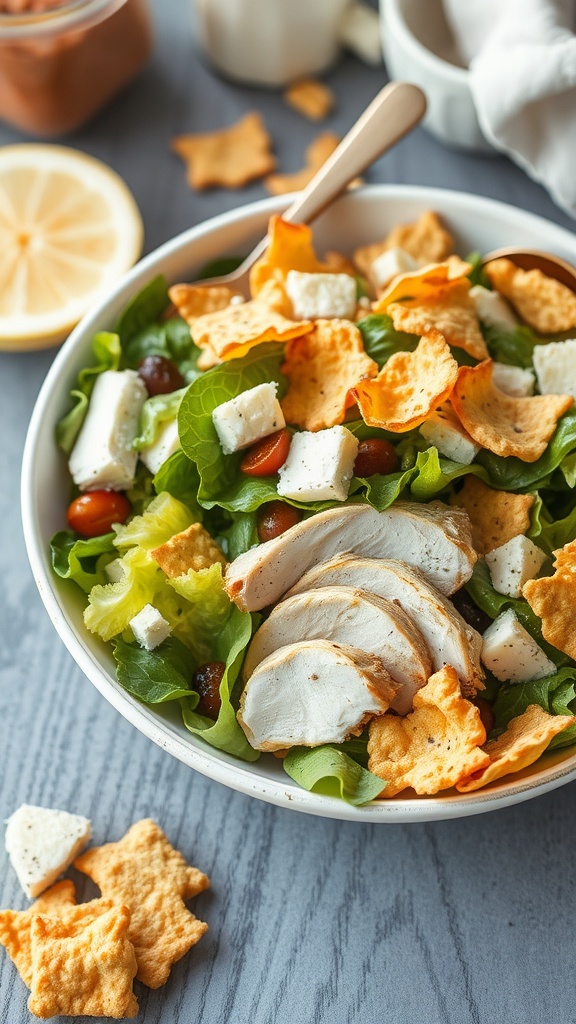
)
(449, 638)
(352, 617)
(311, 693)
(433, 537)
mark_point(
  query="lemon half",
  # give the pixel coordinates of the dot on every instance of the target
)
(69, 227)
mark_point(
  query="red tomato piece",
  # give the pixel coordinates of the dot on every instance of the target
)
(92, 513)
(266, 456)
(275, 518)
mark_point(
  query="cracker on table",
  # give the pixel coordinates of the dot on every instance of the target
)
(321, 368)
(228, 158)
(85, 970)
(521, 427)
(193, 548)
(495, 516)
(434, 746)
(315, 156)
(410, 386)
(145, 872)
(15, 924)
(310, 97)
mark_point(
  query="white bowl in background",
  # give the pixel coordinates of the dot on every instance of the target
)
(418, 47)
(357, 218)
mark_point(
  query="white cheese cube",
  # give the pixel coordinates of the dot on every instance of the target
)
(446, 433)
(391, 264)
(511, 653)
(492, 308)
(555, 365)
(319, 466)
(115, 570)
(42, 843)
(149, 627)
(315, 296)
(248, 417)
(102, 457)
(513, 380)
(513, 563)
(166, 443)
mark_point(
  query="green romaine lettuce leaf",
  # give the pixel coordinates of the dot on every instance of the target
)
(204, 611)
(82, 560)
(144, 309)
(163, 517)
(106, 351)
(556, 694)
(434, 474)
(478, 275)
(157, 676)
(330, 771)
(156, 410)
(382, 340)
(513, 346)
(179, 477)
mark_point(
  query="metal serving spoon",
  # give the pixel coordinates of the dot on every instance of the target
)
(394, 112)
(534, 259)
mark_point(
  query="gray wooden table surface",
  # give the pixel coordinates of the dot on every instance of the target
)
(310, 920)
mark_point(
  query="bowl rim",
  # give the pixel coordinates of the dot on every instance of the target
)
(206, 760)
(394, 11)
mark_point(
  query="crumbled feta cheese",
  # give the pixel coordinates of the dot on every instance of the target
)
(250, 416)
(315, 296)
(114, 570)
(149, 627)
(555, 365)
(511, 653)
(167, 442)
(513, 380)
(319, 466)
(391, 264)
(102, 457)
(491, 308)
(513, 563)
(42, 843)
(446, 433)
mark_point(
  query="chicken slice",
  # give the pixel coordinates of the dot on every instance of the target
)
(432, 537)
(448, 637)
(352, 617)
(311, 693)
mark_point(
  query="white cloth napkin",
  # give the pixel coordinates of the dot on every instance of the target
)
(522, 59)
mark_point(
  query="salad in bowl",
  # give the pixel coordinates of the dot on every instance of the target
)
(332, 526)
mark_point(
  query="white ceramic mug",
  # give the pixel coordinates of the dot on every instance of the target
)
(270, 42)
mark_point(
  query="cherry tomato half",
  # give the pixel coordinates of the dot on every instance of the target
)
(375, 456)
(266, 456)
(206, 681)
(93, 513)
(275, 518)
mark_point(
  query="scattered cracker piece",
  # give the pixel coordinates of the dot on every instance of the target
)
(144, 871)
(83, 972)
(553, 599)
(316, 154)
(321, 368)
(15, 924)
(193, 301)
(228, 158)
(233, 331)
(451, 311)
(290, 247)
(194, 549)
(544, 303)
(525, 739)
(503, 424)
(434, 746)
(310, 97)
(426, 240)
(409, 387)
(432, 280)
(495, 516)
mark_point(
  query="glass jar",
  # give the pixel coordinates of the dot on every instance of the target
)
(62, 60)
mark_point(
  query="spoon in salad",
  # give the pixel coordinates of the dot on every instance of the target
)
(534, 259)
(394, 112)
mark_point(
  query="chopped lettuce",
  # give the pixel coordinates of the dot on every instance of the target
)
(154, 677)
(513, 346)
(204, 610)
(511, 474)
(556, 694)
(146, 307)
(156, 410)
(82, 560)
(179, 477)
(434, 474)
(163, 517)
(329, 770)
(106, 351)
(382, 340)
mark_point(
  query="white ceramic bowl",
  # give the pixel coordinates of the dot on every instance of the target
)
(357, 218)
(418, 47)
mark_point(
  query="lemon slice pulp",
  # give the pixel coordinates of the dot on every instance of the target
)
(69, 227)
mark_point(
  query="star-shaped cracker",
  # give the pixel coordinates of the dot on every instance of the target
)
(83, 970)
(15, 925)
(315, 156)
(229, 158)
(144, 872)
